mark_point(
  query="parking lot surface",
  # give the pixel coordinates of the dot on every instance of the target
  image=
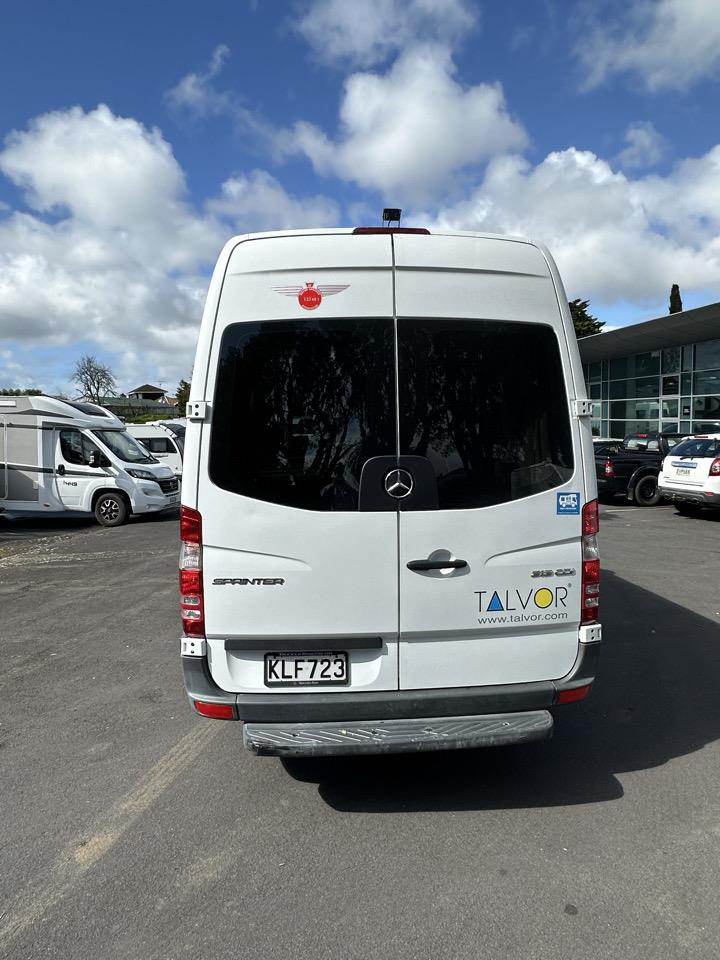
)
(133, 829)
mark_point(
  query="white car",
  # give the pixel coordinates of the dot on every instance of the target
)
(690, 475)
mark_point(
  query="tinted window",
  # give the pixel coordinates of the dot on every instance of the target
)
(300, 406)
(698, 448)
(485, 402)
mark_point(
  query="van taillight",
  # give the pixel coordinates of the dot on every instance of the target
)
(192, 608)
(609, 468)
(715, 467)
(591, 564)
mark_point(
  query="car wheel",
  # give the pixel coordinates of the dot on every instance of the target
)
(646, 492)
(688, 509)
(111, 509)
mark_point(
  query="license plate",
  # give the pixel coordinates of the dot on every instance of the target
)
(683, 472)
(306, 669)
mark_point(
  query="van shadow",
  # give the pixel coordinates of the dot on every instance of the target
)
(655, 698)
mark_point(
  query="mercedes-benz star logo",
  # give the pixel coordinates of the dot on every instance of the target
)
(398, 484)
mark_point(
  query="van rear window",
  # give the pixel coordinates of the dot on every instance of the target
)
(485, 402)
(300, 405)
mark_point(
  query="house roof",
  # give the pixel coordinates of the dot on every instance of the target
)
(137, 402)
(672, 330)
(146, 388)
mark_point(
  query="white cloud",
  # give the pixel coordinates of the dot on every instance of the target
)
(112, 252)
(261, 200)
(196, 93)
(645, 146)
(368, 33)
(666, 44)
(614, 238)
(408, 132)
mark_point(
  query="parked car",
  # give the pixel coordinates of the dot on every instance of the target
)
(388, 513)
(691, 474)
(631, 467)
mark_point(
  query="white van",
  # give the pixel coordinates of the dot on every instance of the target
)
(59, 457)
(389, 504)
(165, 444)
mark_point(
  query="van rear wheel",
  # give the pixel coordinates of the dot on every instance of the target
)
(111, 509)
(646, 493)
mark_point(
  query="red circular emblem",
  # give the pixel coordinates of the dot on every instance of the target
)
(310, 298)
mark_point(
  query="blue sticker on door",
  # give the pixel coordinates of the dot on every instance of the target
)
(568, 503)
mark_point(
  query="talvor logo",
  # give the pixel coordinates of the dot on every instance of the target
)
(510, 600)
(311, 295)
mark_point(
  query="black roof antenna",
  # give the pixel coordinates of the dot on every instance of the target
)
(391, 215)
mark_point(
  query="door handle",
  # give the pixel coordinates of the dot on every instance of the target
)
(61, 470)
(436, 564)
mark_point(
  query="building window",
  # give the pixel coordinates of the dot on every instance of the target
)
(707, 382)
(671, 360)
(707, 354)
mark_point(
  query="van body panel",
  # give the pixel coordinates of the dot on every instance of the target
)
(509, 616)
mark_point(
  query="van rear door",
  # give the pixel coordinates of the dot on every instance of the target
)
(490, 574)
(302, 387)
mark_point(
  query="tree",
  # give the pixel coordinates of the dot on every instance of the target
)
(19, 392)
(585, 323)
(95, 379)
(675, 301)
(183, 395)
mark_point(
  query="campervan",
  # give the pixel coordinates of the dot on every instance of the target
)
(162, 441)
(389, 506)
(61, 457)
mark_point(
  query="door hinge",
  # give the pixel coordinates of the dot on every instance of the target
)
(196, 409)
(582, 408)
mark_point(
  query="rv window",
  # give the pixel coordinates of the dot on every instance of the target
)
(485, 402)
(300, 405)
(157, 444)
(76, 448)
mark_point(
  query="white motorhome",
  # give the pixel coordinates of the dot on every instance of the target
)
(60, 457)
(163, 441)
(389, 507)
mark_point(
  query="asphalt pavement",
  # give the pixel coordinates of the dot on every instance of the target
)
(130, 828)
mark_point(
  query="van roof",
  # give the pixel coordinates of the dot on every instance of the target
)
(318, 231)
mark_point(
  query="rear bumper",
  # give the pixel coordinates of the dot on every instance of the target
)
(706, 499)
(386, 705)
(396, 736)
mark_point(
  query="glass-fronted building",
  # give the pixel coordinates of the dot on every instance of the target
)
(663, 374)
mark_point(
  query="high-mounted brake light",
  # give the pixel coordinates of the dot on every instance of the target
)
(391, 230)
(715, 467)
(192, 607)
(590, 564)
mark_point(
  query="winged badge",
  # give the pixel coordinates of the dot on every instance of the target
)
(310, 296)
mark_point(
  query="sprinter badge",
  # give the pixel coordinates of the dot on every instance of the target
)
(310, 296)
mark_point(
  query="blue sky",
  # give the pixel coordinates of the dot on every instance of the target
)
(136, 138)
